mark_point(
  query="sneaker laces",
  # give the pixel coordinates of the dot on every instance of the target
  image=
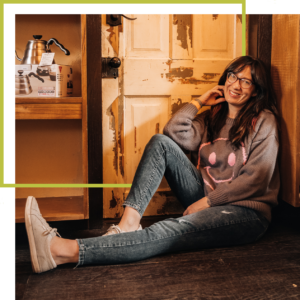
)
(114, 227)
(50, 230)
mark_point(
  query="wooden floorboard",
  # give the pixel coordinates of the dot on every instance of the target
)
(267, 269)
(197, 278)
(23, 272)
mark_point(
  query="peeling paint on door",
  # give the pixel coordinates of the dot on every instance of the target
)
(112, 126)
(111, 118)
(121, 147)
(195, 81)
(184, 29)
(175, 20)
(208, 76)
(115, 113)
(215, 17)
(171, 78)
(184, 75)
(111, 34)
(114, 201)
(169, 62)
(113, 38)
(181, 72)
(121, 122)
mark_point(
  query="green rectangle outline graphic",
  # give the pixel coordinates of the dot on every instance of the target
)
(79, 185)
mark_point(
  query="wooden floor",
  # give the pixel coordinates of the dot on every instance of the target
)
(267, 269)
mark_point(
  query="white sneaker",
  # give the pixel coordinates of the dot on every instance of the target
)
(39, 235)
(115, 229)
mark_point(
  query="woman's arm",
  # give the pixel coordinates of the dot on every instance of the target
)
(187, 129)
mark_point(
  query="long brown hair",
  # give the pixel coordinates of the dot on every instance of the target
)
(246, 119)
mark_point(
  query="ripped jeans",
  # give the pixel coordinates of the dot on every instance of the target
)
(218, 226)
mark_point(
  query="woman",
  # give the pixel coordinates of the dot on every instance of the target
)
(227, 197)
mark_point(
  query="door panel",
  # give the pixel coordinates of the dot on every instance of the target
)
(217, 41)
(166, 61)
(144, 118)
(147, 36)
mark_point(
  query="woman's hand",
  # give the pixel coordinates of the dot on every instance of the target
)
(209, 97)
(196, 206)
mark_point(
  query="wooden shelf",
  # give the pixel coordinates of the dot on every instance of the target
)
(48, 111)
(54, 209)
(48, 100)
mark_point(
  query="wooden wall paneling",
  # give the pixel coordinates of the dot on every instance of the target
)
(264, 33)
(247, 33)
(260, 37)
(84, 115)
(94, 112)
(252, 34)
(285, 73)
(238, 51)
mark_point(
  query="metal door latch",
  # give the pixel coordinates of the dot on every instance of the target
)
(115, 20)
(110, 67)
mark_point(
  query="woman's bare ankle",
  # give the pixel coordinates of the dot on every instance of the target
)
(127, 226)
(64, 251)
(130, 220)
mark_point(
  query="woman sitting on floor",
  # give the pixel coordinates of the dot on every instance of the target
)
(227, 198)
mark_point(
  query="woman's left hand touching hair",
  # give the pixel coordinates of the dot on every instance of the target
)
(197, 206)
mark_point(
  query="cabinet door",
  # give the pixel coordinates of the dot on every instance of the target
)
(166, 61)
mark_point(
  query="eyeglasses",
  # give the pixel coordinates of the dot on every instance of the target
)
(245, 83)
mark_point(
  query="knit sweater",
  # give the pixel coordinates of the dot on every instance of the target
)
(246, 176)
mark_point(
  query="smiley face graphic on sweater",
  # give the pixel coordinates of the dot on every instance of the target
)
(219, 161)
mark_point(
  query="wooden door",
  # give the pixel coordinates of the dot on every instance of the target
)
(167, 60)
